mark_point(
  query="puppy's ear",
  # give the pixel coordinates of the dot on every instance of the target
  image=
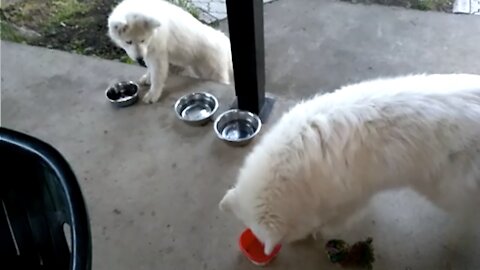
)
(143, 21)
(151, 23)
(226, 203)
(118, 27)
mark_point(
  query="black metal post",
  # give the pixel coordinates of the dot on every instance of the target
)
(245, 23)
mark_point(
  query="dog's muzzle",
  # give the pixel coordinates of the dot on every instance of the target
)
(141, 62)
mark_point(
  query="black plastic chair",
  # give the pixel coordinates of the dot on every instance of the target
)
(43, 218)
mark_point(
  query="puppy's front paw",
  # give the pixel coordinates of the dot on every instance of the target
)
(144, 80)
(152, 96)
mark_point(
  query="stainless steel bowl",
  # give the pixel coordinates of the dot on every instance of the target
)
(122, 94)
(237, 127)
(196, 109)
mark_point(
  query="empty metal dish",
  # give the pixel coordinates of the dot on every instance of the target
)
(237, 127)
(196, 109)
(123, 94)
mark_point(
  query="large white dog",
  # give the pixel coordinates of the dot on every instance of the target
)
(328, 156)
(156, 33)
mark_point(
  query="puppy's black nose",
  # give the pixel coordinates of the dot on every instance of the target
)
(141, 62)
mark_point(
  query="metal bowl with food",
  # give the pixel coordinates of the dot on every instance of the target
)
(122, 94)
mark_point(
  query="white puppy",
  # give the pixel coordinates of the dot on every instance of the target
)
(328, 156)
(156, 33)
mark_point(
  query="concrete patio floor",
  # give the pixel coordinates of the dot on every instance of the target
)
(314, 45)
(152, 184)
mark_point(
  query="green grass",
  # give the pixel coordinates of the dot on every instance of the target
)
(127, 60)
(64, 9)
(429, 4)
(41, 14)
(7, 32)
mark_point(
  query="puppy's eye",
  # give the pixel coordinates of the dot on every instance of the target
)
(129, 42)
(143, 40)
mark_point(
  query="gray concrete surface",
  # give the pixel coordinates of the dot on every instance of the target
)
(319, 45)
(152, 184)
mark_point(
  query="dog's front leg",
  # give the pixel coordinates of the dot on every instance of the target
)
(158, 70)
(145, 79)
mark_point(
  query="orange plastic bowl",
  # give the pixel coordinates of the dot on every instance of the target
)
(253, 249)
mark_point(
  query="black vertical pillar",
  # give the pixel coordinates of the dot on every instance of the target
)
(245, 22)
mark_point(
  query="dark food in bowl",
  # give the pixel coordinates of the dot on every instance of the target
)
(122, 90)
(122, 94)
(359, 255)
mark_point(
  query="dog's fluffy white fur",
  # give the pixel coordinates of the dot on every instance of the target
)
(328, 156)
(160, 33)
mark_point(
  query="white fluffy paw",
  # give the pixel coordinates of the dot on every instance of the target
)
(144, 80)
(152, 96)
